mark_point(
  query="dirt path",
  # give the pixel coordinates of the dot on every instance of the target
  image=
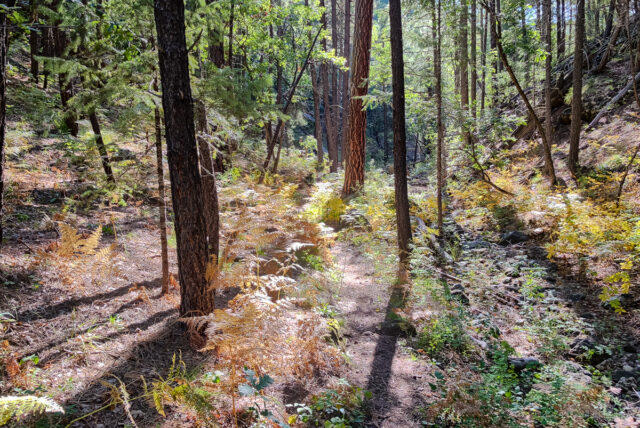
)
(378, 363)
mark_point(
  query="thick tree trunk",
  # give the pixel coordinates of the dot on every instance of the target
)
(102, 149)
(182, 154)
(316, 114)
(399, 133)
(162, 204)
(207, 174)
(345, 81)
(576, 101)
(354, 167)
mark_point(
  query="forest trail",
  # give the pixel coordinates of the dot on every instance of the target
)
(377, 361)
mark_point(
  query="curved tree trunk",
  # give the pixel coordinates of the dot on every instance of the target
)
(182, 154)
(354, 167)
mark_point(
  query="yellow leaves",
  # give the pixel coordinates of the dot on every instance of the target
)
(332, 210)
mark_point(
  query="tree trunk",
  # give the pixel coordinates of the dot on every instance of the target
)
(464, 70)
(474, 62)
(548, 160)
(60, 43)
(182, 154)
(399, 133)
(385, 144)
(497, 29)
(316, 114)
(609, 22)
(345, 81)
(4, 49)
(34, 44)
(102, 149)
(437, 71)
(330, 126)
(231, 19)
(576, 101)
(215, 50)
(162, 204)
(483, 60)
(354, 167)
(335, 114)
(207, 174)
(494, 70)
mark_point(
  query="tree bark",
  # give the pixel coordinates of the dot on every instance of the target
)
(330, 125)
(437, 70)
(231, 19)
(609, 22)
(474, 62)
(483, 59)
(576, 101)
(354, 167)
(345, 81)
(207, 174)
(464, 70)
(316, 114)
(548, 160)
(34, 43)
(215, 50)
(102, 149)
(399, 133)
(4, 49)
(162, 202)
(385, 144)
(182, 154)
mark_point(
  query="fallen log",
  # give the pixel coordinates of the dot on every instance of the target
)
(613, 102)
(433, 242)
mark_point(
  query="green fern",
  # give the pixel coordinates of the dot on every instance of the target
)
(26, 406)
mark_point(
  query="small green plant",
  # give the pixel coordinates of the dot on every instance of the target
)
(440, 334)
(341, 408)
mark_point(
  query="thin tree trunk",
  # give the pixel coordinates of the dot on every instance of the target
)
(316, 114)
(162, 203)
(483, 60)
(545, 144)
(354, 167)
(609, 22)
(330, 126)
(34, 43)
(231, 19)
(345, 81)
(182, 153)
(626, 173)
(607, 53)
(548, 160)
(207, 174)
(494, 70)
(474, 61)
(576, 101)
(104, 156)
(385, 143)
(437, 69)
(4, 49)
(335, 103)
(464, 70)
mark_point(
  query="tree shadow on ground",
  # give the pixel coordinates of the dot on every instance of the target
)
(381, 367)
(149, 360)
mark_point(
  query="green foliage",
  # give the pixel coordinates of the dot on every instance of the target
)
(28, 406)
(442, 333)
(342, 408)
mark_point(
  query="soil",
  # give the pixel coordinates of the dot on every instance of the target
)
(378, 362)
